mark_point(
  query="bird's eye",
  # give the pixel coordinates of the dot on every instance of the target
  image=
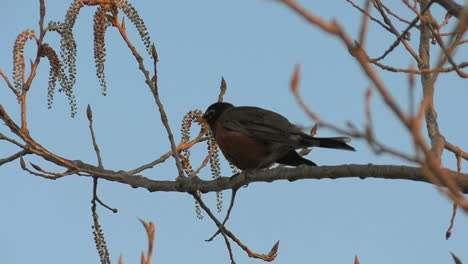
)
(209, 115)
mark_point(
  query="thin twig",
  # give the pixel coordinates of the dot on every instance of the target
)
(89, 113)
(364, 25)
(58, 175)
(164, 157)
(388, 10)
(455, 205)
(452, 221)
(228, 247)
(397, 41)
(149, 228)
(437, 140)
(14, 156)
(155, 91)
(250, 253)
(456, 150)
(448, 52)
(222, 89)
(400, 37)
(231, 205)
(368, 15)
(153, 85)
(419, 71)
(31, 144)
(44, 174)
(207, 159)
(96, 197)
(8, 83)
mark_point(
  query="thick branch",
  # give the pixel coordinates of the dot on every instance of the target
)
(389, 172)
(437, 140)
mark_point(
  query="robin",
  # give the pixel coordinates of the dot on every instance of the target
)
(254, 138)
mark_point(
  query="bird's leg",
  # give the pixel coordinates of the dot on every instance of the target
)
(247, 174)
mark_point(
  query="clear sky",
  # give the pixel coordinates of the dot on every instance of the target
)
(254, 44)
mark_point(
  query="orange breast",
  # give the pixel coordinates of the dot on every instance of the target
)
(241, 150)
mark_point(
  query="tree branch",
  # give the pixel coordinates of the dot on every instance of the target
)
(389, 172)
(14, 156)
(451, 6)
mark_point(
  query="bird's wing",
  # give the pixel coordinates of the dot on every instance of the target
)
(260, 124)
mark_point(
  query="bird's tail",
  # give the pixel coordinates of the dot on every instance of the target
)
(332, 142)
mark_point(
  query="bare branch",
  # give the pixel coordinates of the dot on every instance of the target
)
(364, 25)
(43, 173)
(400, 37)
(225, 231)
(164, 157)
(14, 156)
(389, 172)
(231, 205)
(451, 6)
(366, 13)
(456, 150)
(149, 228)
(89, 113)
(155, 90)
(222, 88)
(8, 82)
(437, 140)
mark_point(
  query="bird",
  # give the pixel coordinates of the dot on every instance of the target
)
(255, 138)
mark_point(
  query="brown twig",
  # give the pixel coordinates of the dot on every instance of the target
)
(437, 140)
(162, 112)
(8, 82)
(366, 13)
(447, 52)
(164, 157)
(400, 37)
(99, 240)
(89, 113)
(32, 74)
(231, 205)
(32, 145)
(14, 156)
(397, 41)
(149, 228)
(222, 89)
(96, 197)
(455, 205)
(377, 147)
(3, 137)
(224, 230)
(456, 150)
(412, 8)
(364, 25)
(452, 222)
(388, 10)
(153, 85)
(229, 248)
(456, 259)
(45, 174)
(206, 160)
(419, 71)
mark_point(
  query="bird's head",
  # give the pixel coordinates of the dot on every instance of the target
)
(214, 111)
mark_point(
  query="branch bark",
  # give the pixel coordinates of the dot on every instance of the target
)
(389, 172)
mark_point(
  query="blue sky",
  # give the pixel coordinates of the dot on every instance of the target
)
(254, 45)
